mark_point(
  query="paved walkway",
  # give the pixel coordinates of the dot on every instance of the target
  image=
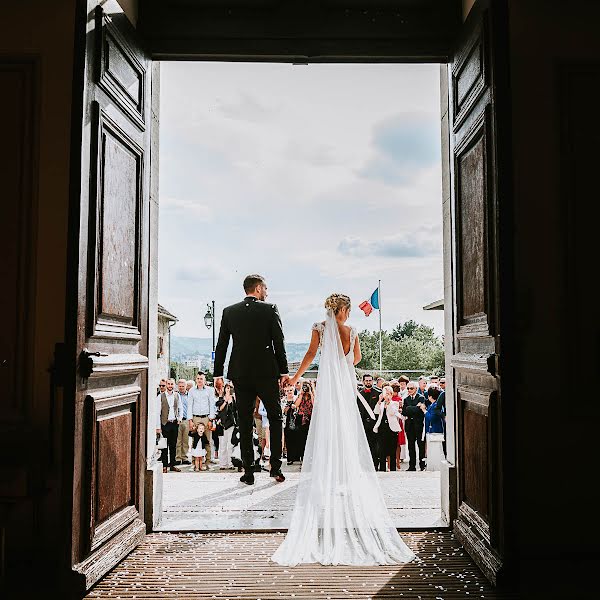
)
(225, 566)
(217, 501)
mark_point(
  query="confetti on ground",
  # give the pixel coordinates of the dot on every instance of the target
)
(191, 566)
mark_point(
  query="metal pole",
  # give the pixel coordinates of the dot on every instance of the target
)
(214, 323)
(380, 339)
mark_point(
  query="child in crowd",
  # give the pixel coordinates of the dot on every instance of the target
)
(266, 446)
(199, 441)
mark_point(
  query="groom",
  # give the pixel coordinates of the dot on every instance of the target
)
(257, 366)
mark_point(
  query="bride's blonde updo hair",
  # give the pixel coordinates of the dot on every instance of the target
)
(337, 301)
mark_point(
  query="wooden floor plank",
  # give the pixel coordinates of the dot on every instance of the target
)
(237, 566)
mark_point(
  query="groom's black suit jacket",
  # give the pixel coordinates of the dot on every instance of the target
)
(258, 347)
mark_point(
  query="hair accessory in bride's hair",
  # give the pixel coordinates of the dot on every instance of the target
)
(335, 302)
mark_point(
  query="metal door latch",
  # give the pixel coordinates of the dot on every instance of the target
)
(86, 362)
(87, 353)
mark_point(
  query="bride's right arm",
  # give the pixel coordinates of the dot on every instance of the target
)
(308, 357)
(357, 351)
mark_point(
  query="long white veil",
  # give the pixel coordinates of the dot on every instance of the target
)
(340, 515)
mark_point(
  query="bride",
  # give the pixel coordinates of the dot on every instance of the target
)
(340, 517)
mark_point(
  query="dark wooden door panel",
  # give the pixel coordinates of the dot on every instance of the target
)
(475, 168)
(113, 420)
(114, 463)
(471, 181)
(118, 196)
(475, 454)
(18, 124)
(120, 71)
(111, 329)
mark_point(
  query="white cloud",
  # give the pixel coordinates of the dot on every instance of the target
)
(315, 154)
(246, 108)
(418, 242)
(198, 273)
(263, 169)
(403, 145)
(186, 208)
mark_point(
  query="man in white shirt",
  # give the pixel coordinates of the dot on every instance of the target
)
(202, 409)
(168, 415)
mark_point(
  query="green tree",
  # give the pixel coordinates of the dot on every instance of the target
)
(410, 346)
(412, 329)
(436, 363)
(403, 330)
(369, 346)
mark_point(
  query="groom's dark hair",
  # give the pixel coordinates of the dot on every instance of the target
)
(251, 282)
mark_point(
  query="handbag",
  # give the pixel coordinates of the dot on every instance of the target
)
(292, 425)
(161, 443)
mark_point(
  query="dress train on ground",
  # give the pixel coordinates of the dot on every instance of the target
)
(340, 516)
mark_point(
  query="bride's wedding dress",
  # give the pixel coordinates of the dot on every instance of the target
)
(340, 516)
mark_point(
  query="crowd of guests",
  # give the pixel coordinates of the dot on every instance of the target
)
(402, 413)
(195, 420)
(197, 423)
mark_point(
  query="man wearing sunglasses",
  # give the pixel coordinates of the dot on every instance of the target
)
(411, 409)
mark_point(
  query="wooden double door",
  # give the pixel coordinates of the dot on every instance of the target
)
(107, 340)
(107, 331)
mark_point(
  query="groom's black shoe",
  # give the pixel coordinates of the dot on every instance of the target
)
(247, 478)
(279, 477)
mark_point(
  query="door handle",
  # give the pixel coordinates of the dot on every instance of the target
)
(86, 363)
(86, 353)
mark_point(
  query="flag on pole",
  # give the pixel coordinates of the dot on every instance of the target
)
(368, 305)
(375, 299)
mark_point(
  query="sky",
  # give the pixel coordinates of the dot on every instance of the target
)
(322, 178)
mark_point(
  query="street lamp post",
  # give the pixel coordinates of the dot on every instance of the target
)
(209, 321)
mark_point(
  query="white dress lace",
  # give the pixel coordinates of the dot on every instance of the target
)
(340, 516)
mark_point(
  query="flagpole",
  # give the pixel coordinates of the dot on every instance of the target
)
(380, 340)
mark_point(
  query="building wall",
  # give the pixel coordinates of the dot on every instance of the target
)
(162, 362)
(44, 31)
(448, 468)
(153, 369)
(554, 337)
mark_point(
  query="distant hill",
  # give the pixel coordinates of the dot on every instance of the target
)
(188, 348)
(184, 348)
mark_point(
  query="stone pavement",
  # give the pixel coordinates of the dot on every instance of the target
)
(217, 501)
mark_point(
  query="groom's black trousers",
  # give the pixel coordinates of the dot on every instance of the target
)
(247, 389)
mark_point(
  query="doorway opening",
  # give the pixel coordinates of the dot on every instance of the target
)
(329, 178)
